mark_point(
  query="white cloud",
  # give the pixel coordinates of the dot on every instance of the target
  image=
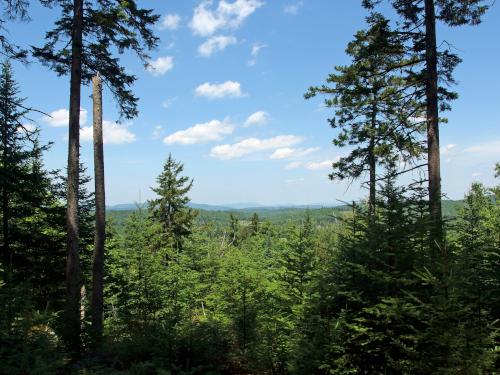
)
(113, 133)
(293, 165)
(216, 44)
(257, 118)
(60, 117)
(161, 65)
(448, 149)
(256, 47)
(287, 153)
(207, 20)
(170, 22)
(282, 153)
(228, 89)
(167, 103)
(489, 148)
(317, 166)
(252, 145)
(158, 132)
(201, 133)
(293, 8)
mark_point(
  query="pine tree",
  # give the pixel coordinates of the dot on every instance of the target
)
(12, 10)
(428, 72)
(372, 113)
(82, 43)
(171, 208)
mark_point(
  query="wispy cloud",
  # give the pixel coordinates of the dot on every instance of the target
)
(288, 153)
(257, 118)
(214, 130)
(228, 89)
(253, 145)
(256, 48)
(216, 44)
(293, 8)
(167, 103)
(160, 66)
(318, 166)
(170, 22)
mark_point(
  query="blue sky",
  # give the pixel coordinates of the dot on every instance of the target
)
(224, 94)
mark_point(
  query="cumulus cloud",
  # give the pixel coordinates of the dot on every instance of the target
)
(293, 8)
(208, 19)
(210, 131)
(113, 133)
(257, 118)
(60, 117)
(252, 145)
(287, 153)
(170, 22)
(216, 44)
(228, 89)
(161, 65)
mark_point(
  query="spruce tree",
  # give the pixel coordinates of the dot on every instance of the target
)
(19, 173)
(171, 208)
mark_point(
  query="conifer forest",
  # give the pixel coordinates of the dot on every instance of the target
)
(400, 280)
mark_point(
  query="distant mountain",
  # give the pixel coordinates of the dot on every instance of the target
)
(248, 206)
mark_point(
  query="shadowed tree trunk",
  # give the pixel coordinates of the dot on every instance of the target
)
(72, 321)
(100, 215)
(433, 123)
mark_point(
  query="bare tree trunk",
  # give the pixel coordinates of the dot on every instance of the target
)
(5, 209)
(100, 215)
(372, 162)
(72, 321)
(433, 158)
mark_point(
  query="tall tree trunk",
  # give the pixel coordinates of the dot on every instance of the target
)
(372, 162)
(100, 215)
(433, 157)
(5, 206)
(72, 322)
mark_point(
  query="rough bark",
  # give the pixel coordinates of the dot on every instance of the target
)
(72, 321)
(100, 215)
(434, 173)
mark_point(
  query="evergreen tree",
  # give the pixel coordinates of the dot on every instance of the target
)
(372, 112)
(83, 42)
(171, 209)
(428, 72)
(22, 182)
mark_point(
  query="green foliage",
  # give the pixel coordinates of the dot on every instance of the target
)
(109, 27)
(171, 209)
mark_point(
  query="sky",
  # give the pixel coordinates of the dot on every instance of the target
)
(223, 93)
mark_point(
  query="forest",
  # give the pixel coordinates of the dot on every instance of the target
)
(401, 281)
